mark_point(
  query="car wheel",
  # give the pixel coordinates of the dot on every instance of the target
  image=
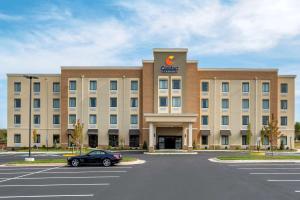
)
(106, 162)
(75, 163)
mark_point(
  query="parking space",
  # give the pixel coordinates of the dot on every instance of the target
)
(57, 182)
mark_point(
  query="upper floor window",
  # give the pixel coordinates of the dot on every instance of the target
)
(266, 104)
(113, 102)
(72, 85)
(72, 119)
(56, 119)
(245, 120)
(283, 121)
(204, 103)
(204, 86)
(93, 85)
(225, 103)
(17, 86)
(245, 87)
(93, 102)
(36, 119)
(134, 102)
(245, 103)
(163, 84)
(36, 87)
(17, 103)
(176, 84)
(56, 87)
(225, 120)
(225, 87)
(134, 85)
(284, 104)
(176, 102)
(36, 103)
(113, 85)
(113, 119)
(93, 119)
(72, 102)
(204, 120)
(266, 87)
(56, 103)
(265, 120)
(163, 101)
(283, 88)
(17, 119)
(133, 119)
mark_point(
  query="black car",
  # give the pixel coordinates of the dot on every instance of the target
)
(96, 157)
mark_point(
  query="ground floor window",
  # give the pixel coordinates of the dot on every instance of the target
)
(55, 140)
(225, 140)
(244, 139)
(266, 140)
(17, 138)
(134, 140)
(37, 139)
(70, 141)
(283, 140)
(113, 140)
(204, 140)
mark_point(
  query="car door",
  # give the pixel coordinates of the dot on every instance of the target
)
(100, 157)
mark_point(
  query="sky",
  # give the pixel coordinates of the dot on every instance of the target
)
(39, 36)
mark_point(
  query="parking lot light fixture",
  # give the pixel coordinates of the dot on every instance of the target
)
(30, 77)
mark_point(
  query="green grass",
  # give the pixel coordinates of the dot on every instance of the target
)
(128, 159)
(258, 157)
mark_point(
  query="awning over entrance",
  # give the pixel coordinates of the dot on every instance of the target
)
(92, 132)
(243, 132)
(205, 132)
(170, 118)
(225, 132)
(134, 132)
(113, 131)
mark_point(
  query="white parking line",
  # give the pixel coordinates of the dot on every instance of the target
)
(12, 169)
(55, 185)
(66, 177)
(276, 173)
(274, 180)
(250, 168)
(82, 172)
(297, 190)
(47, 196)
(263, 164)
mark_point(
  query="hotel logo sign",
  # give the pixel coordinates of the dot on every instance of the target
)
(169, 67)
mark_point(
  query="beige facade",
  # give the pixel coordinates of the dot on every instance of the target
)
(168, 102)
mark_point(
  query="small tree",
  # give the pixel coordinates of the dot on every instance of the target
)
(249, 135)
(77, 135)
(272, 132)
(297, 129)
(122, 142)
(34, 137)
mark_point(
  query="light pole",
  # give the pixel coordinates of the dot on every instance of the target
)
(30, 77)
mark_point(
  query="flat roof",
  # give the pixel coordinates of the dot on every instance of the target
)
(287, 76)
(39, 75)
(100, 67)
(239, 69)
(171, 50)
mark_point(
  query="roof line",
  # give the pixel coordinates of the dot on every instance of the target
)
(238, 69)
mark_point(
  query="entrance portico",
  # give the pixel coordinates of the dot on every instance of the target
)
(183, 121)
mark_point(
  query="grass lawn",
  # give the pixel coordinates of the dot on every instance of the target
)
(61, 160)
(258, 157)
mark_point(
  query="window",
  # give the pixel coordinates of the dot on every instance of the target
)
(113, 119)
(134, 85)
(36, 103)
(204, 140)
(225, 87)
(93, 119)
(55, 139)
(225, 120)
(205, 86)
(113, 85)
(17, 138)
(17, 86)
(36, 87)
(204, 103)
(113, 102)
(113, 140)
(163, 84)
(93, 102)
(176, 102)
(225, 139)
(37, 139)
(36, 119)
(134, 102)
(244, 139)
(245, 87)
(72, 85)
(283, 140)
(176, 84)
(93, 85)
(284, 104)
(266, 105)
(284, 88)
(266, 140)
(17, 103)
(265, 120)
(56, 87)
(134, 141)
(245, 103)
(204, 120)
(56, 103)
(266, 87)
(133, 119)
(56, 119)
(283, 121)
(163, 101)
(225, 103)
(245, 120)
(17, 119)
(72, 102)
(72, 119)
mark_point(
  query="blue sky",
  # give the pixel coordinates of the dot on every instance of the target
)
(39, 36)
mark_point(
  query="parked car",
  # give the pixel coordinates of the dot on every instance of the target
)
(96, 157)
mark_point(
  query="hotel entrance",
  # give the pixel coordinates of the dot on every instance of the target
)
(169, 142)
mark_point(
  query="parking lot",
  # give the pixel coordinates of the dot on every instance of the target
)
(161, 177)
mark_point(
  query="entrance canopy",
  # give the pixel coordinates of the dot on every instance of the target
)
(170, 118)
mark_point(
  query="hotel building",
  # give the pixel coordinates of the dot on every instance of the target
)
(167, 103)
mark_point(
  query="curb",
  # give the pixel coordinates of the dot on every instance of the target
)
(171, 153)
(136, 162)
(216, 160)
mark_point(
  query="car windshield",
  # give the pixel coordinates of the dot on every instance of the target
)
(96, 152)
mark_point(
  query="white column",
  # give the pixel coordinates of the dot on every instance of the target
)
(151, 135)
(190, 143)
(184, 137)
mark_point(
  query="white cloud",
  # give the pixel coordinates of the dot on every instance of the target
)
(6, 17)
